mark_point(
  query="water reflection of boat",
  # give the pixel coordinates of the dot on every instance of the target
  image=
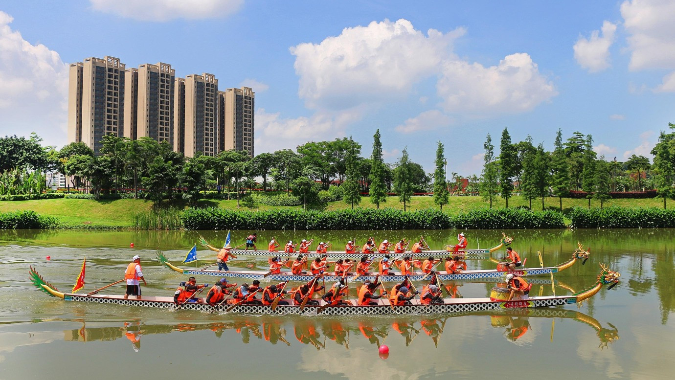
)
(383, 307)
(578, 254)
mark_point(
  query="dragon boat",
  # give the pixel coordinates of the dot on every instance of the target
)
(468, 254)
(579, 255)
(449, 305)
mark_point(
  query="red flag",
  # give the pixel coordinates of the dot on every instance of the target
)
(79, 284)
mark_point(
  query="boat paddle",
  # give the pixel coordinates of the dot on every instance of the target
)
(107, 286)
(309, 292)
(195, 294)
(276, 300)
(240, 302)
(430, 272)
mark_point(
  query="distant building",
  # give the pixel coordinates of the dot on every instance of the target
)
(201, 115)
(236, 119)
(96, 102)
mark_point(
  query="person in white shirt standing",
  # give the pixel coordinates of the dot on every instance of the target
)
(133, 274)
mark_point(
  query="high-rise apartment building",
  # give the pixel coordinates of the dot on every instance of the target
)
(201, 115)
(102, 100)
(75, 103)
(236, 119)
(179, 116)
(131, 100)
(155, 102)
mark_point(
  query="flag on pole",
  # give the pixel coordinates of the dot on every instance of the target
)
(227, 239)
(79, 284)
(191, 255)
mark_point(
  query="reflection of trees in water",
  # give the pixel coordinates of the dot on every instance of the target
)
(665, 286)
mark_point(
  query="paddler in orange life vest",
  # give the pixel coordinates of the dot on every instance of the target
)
(369, 247)
(514, 258)
(322, 248)
(363, 266)
(384, 247)
(318, 266)
(133, 274)
(428, 264)
(431, 294)
(273, 291)
(275, 265)
(367, 295)
(186, 292)
(518, 287)
(223, 256)
(384, 265)
(395, 289)
(462, 243)
(246, 294)
(342, 267)
(419, 246)
(334, 295)
(304, 246)
(406, 266)
(273, 245)
(350, 247)
(298, 265)
(290, 247)
(402, 297)
(453, 265)
(217, 293)
(400, 246)
(306, 291)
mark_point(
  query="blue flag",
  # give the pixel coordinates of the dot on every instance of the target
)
(192, 255)
(227, 239)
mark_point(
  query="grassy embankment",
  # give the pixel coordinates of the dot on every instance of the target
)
(84, 213)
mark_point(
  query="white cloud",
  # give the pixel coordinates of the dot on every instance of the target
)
(33, 87)
(651, 30)
(515, 85)
(390, 154)
(368, 64)
(604, 150)
(617, 116)
(593, 54)
(645, 147)
(668, 84)
(165, 10)
(257, 87)
(427, 120)
(272, 132)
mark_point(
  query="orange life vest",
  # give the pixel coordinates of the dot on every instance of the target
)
(462, 242)
(427, 265)
(417, 248)
(275, 267)
(362, 295)
(367, 248)
(521, 285)
(304, 247)
(272, 247)
(400, 248)
(217, 296)
(340, 269)
(451, 266)
(130, 273)
(384, 247)
(405, 267)
(224, 255)
(321, 249)
(425, 291)
(289, 248)
(514, 256)
(362, 268)
(384, 267)
(297, 267)
(269, 294)
(396, 301)
(350, 248)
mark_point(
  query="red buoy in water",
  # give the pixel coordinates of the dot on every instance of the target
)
(132, 245)
(48, 258)
(384, 350)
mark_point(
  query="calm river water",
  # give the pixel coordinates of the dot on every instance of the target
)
(626, 332)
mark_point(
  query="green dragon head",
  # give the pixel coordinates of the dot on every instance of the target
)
(506, 240)
(608, 276)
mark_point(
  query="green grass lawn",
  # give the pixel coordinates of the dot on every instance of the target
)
(120, 213)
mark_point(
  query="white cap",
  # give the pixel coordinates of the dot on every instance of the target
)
(386, 241)
(135, 258)
(509, 277)
(461, 234)
(321, 243)
(433, 288)
(290, 242)
(350, 242)
(303, 240)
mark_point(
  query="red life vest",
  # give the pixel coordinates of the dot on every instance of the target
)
(427, 265)
(451, 267)
(400, 248)
(272, 247)
(363, 291)
(417, 248)
(275, 267)
(514, 256)
(297, 267)
(362, 268)
(304, 247)
(367, 248)
(217, 296)
(269, 294)
(290, 248)
(405, 267)
(384, 248)
(317, 268)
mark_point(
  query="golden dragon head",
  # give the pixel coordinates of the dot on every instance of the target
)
(608, 276)
(581, 254)
(507, 240)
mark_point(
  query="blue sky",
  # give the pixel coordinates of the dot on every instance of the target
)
(420, 71)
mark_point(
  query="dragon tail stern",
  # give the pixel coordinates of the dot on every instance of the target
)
(40, 283)
(164, 261)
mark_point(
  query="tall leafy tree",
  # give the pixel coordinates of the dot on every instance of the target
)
(508, 156)
(317, 157)
(601, 181)
(20, 152)
(440, 181)
(287, 167)
(528, 182)
(262, 164)
(65, 155)
(351, 191)
(560, 174)
(403, 180)
(542, 173)
(664, 164)
(522, 149)
(489, 181)
(588, 171)
(639, 164)
(377, 190)
(307, 190)
(574, 150)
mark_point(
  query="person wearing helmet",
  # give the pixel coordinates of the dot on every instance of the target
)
(431, 294)
(461, 245)
(290, 247)
(385, 264)
(350, 247)
(272, 292)
(186, 292)
(518, 286)
(403, 296)
(216, 294)
(384, 247)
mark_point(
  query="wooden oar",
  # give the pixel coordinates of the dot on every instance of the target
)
(107, 286)
(240, 302)
(309, 292)
(275, 303)
(195, 294)
(430, 272)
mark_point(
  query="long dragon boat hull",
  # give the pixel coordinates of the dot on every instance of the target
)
(449, 305)
(470, 254)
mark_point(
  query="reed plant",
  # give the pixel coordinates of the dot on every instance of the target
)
(158, 219)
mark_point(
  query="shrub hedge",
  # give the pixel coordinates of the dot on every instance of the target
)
(277, 200)
(619, 217)
(26, 219)
(366, 219)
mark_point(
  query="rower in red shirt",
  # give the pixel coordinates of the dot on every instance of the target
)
(350, 247)
(384, 265)
(322, 248)
(290, 247)
(304, 246)
(273, 245)
(428, 264)
(419, 246)
(384, 247)
(363, 266)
